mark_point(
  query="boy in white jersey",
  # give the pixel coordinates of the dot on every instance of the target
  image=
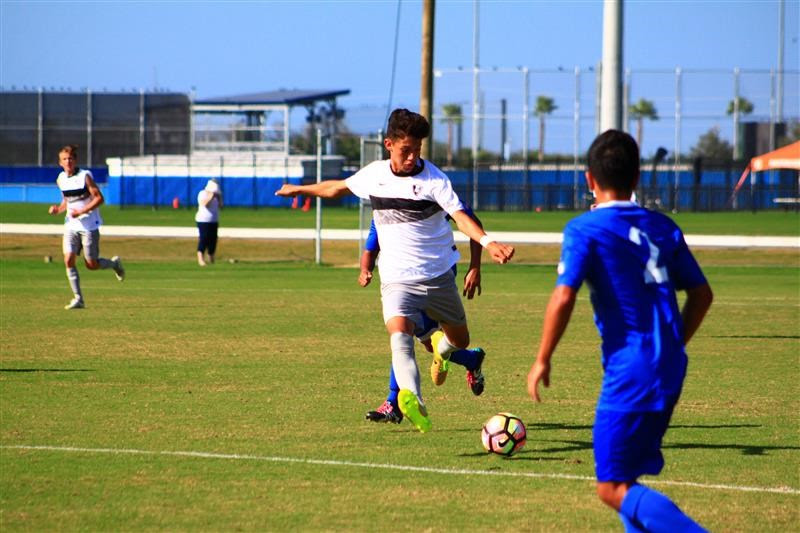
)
(410, 198)
(81, 199)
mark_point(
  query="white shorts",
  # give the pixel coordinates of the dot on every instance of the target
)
(438, 297)
(89, 241)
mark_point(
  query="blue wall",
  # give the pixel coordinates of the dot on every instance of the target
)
(161, 191)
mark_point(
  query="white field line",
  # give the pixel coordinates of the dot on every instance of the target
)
(384, 466)
(513, 237)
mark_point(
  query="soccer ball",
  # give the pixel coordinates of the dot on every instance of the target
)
(503, 434)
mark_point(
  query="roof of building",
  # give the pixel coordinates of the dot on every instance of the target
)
(283, 96)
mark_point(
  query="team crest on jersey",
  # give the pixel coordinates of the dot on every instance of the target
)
(415, 188)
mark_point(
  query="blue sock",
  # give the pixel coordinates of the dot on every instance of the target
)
(467, 358)
(393, 388)
(655, 512)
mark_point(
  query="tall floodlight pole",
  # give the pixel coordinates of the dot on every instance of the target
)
(475, 104)
(426, 92)
(611, 93)
(779, 109)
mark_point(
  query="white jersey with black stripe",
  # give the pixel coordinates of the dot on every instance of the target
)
(409, 212)
(76, 192)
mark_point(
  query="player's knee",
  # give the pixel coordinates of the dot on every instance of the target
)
(461, 341)
(91, 264)
(457, 336)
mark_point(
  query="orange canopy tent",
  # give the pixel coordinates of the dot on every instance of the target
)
(786, 157)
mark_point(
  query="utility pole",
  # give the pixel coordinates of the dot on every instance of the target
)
(426, 92)
(611, 93)
(781, 30)
(475, 105)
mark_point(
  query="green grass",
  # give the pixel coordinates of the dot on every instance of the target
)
(727, 223)
(280, 359)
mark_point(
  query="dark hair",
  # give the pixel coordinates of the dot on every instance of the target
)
(404, 123)
(613, 160)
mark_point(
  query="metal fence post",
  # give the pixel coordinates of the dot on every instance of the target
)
(677, 153)
(141, 121)
(576, 117)
(736, 152)
(39, 130)
(318, 217)
(88, 127)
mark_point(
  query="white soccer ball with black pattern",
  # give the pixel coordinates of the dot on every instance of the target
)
(503, 434)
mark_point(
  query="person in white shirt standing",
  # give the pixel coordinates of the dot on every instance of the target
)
(81, 200)
(209, 202)
(410, 199)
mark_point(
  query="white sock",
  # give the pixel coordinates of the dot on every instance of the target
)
(445, 348)
(74, 282)
(404, 363)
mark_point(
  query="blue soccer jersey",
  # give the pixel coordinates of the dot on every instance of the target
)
(633, 260)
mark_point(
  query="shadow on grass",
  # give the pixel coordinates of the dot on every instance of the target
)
(712, 426)
(746, 449)
(538, 426)
(755, 336)
(20, 370)
(522, 455)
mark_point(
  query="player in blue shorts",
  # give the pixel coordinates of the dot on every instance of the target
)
(428, 331)
(633, 261)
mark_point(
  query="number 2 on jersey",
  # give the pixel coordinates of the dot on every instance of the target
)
(652, 272)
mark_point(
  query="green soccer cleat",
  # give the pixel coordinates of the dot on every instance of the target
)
(414, 410)
(439, 366)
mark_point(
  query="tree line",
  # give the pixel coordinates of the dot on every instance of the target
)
(450, 153)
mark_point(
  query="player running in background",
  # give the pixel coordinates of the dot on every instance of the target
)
(633, 260)
(81, 199)
(410, 198)
(471, 359)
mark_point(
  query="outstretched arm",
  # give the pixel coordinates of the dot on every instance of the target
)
(323, 189)
(556, 318)
(698, 300)
(501, 253)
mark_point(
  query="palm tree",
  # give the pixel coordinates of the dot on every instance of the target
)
(452, 115)
(544, 106)
(641, 110)
(745, 106)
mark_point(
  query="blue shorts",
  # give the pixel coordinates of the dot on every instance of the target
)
(628, 444)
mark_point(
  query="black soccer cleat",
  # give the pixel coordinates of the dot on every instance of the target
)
(385, 413)
(475, 378)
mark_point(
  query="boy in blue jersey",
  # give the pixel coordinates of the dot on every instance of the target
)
(633, 261)
(428, 331)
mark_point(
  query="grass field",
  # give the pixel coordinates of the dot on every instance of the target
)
(728, 223)
(232, 398)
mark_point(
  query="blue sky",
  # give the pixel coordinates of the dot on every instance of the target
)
(225, 48)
